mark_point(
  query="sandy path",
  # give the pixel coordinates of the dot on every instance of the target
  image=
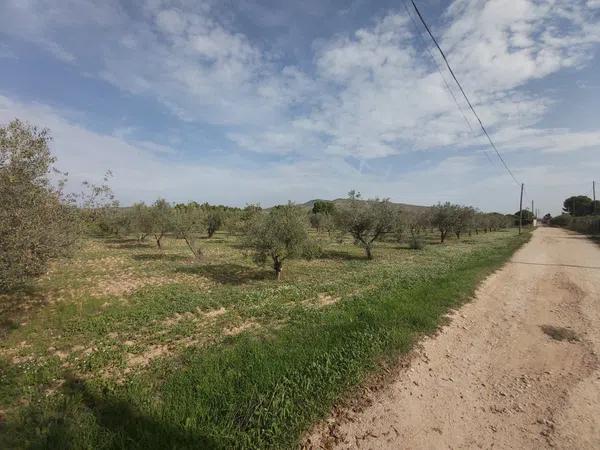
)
(493, 377)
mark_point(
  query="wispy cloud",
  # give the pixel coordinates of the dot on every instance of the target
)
(374, 93)
(369, 93)
(6, 52)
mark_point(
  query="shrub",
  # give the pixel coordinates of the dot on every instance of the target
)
(416, 243)
(585, 224)
(564, 220)
(527, 218)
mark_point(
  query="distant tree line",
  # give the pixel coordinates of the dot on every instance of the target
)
(580, 213)
(581, 205)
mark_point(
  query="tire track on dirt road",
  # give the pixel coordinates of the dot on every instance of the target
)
(517, 367)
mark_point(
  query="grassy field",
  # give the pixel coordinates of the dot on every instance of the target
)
(126, 346)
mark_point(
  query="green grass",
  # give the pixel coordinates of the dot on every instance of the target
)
(128, 347)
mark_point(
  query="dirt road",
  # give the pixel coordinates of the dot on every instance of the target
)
(499, 375)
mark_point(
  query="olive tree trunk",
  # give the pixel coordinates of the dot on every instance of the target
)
(443, 236)
(278, 267)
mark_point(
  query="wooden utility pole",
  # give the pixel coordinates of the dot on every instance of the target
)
(594, 191)
(521, 209)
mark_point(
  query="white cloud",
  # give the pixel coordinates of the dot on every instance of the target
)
(143, 173)
(59, 52)
(86, 154)
(548, 140)
(371, 93)
(389, 100)
(171, 21)
(6, 52)
(495, 47)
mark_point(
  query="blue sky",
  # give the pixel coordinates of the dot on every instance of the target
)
(267, 101)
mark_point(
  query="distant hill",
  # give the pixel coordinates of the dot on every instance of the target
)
(341, 201)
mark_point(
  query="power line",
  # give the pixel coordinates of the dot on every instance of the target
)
(464, 94)
(439, 69)
(419, 35)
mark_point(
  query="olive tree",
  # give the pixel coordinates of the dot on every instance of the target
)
(38, 221)
(213, 220)
(328, 224)
(141, 220)
(315, 221)
(366, 220)
(188, 223)
(323, 207)
(321, 216)
(321, 221)
(463, 220)
(236, 220)
(113, 221)
(444, 216)
(414, 222)
(98, 207)
(526, 215)
(162, 220)
(498, 220)
(480, 222)
(277, 236)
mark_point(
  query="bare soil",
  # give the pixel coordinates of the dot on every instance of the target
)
(518, 367)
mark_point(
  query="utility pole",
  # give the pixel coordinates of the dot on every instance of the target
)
(521, 209)
(533, 216)
(594, 191)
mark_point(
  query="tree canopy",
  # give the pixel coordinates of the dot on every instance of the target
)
(527, 217)
(581, 205)
(278, 235)
(323, 207)
(366, 220)
(37, 221)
